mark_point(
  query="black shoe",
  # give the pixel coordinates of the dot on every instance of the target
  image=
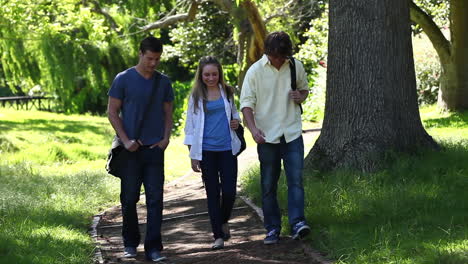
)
(300, 230)
(130, 252)
(155, 256)
(272, 237)
(218, 244)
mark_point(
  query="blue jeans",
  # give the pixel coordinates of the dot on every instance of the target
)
(270, 156)
(219, 173)
(144, 166)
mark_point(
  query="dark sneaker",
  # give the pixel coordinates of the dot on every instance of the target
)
(218, 244)
(272, 237)
(300, 230)
(226, 231)
(130, 252)
(155, 256)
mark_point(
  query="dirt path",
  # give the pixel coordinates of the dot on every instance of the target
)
(187, 234)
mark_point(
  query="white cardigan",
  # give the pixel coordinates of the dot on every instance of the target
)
(195, 122)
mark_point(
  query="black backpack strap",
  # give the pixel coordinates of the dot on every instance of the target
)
(292, 66)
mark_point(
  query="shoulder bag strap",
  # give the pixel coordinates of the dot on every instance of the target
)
(292, 66)
(154, 88)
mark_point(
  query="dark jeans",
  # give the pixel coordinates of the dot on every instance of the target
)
(219, 173)
(270, 156)
(145, 166)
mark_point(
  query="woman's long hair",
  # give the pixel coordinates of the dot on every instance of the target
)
(199, 89)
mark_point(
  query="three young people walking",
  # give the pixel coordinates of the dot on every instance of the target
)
(142, 119)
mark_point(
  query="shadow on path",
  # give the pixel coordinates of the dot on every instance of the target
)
(187, 233)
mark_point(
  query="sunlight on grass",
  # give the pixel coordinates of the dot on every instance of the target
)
(53, 181)
(415, 211)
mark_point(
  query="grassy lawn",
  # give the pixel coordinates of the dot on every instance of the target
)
(53, 181)
(415, 211)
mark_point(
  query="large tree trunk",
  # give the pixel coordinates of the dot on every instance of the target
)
(371, 103)
(453, 93)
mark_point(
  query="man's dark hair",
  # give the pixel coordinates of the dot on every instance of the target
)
(278, 43)
(152, 44)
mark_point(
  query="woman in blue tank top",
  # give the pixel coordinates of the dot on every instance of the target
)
(210, 134)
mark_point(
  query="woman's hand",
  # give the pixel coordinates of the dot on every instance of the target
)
(196, 165)
(234, 124)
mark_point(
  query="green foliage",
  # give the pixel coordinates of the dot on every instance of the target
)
(181, 94)
(71, 49)
(313, 54)
(314, 105)
(412, 212)
(315, 49)
(428, 70)
(438, 10)
(211, 30)
(62, 46)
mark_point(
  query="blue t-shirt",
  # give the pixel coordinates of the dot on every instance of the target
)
(135, 92)
(216, 135)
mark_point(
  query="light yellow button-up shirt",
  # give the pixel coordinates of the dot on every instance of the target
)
(266, 90)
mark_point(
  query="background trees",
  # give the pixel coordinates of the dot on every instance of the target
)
(73, 49)
(452, 50)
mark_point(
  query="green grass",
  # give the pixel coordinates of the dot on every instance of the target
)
(415, 211)
(53, 181)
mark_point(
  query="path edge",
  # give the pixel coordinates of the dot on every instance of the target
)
(309, 251)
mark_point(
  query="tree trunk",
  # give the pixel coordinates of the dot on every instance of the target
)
(453, 93)
(252, 33)
(371, 103)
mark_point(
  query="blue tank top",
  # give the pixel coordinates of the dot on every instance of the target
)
(216, 134)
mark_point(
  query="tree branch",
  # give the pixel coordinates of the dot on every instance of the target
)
(170, 20)
(98, 10)
(282, 12)
(439, 41)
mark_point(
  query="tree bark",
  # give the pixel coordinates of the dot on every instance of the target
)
(453, 93)
(371, 102)
(259, 31)
(453, 54)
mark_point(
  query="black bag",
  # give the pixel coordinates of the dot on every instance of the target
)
(240, 135)
(118, 154)
(116, 157)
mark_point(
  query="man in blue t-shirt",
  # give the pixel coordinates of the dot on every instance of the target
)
(140, 110)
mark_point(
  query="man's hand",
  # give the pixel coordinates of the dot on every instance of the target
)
(196, 165)
(234, 124)
(161, 144)
(131, 145)
(258, 135)
(297, 96)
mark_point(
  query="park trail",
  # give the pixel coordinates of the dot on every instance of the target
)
(186, 230)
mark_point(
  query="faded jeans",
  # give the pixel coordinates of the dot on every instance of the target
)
(270, 156)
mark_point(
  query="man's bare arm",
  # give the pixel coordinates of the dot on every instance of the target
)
(113, 110)
(257, 134)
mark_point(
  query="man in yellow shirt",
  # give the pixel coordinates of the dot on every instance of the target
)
(272, 113)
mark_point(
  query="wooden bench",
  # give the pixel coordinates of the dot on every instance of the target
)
(25, 102)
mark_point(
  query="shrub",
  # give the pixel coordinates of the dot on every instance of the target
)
(427, 67)
(181, 93)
